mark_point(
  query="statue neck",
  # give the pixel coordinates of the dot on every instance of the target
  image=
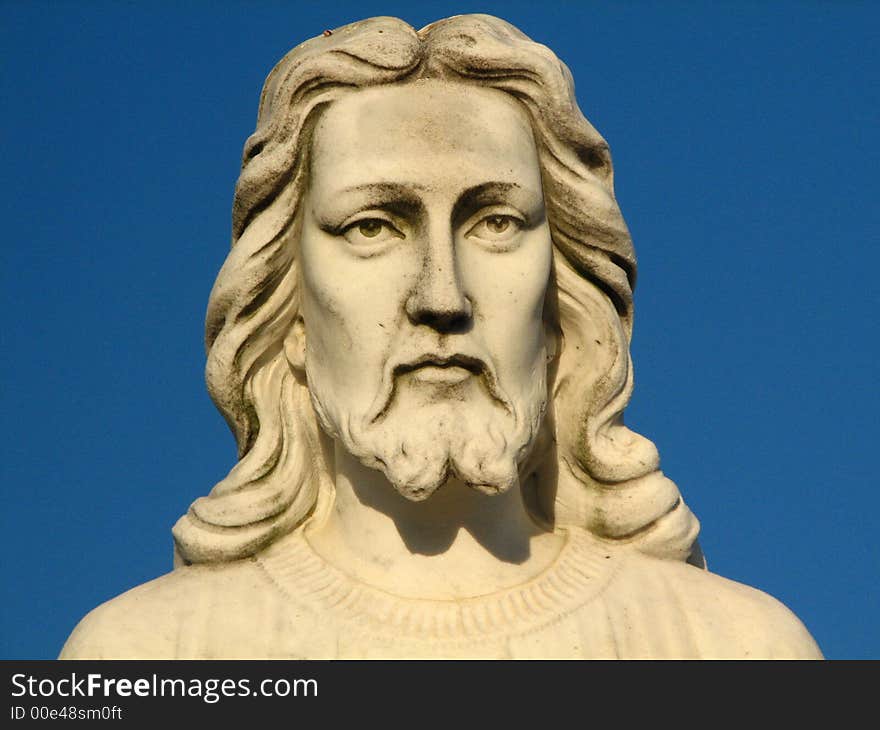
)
(458, 543)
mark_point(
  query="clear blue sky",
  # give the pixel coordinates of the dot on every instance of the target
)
(745, 140)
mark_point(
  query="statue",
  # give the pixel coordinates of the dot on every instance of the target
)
(420, 339)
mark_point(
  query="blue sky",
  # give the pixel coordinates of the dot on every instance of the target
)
(745, 142)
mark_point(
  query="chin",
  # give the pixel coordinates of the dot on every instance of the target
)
(421, 453)
(415, 492)
(422, 443)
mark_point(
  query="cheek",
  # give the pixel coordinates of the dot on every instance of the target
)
(350, 306)
(323, 308)
(509, 293)
(324, 324)
(509, 288)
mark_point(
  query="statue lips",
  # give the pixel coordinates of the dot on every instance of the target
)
(434, 369)
(442, 370)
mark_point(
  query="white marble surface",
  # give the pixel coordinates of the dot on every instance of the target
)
(421, 341)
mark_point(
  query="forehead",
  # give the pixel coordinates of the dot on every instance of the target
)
(431, 133)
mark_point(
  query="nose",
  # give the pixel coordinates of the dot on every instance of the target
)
(438, 299)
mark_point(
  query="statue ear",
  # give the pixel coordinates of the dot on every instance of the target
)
(295, 345)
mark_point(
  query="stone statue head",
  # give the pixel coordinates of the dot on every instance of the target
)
(434, 319)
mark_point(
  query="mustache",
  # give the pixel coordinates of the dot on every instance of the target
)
(409, 360)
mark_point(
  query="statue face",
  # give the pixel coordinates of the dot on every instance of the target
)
(425, 258)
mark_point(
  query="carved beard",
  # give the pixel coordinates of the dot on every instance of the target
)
(422, 434)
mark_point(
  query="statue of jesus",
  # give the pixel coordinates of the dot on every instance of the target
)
(420, 339)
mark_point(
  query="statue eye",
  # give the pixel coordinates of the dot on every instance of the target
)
(370, 230)
(496, 229)
(498, 224)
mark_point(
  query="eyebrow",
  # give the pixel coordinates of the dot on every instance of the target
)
(403, 198)
(490, 192)
(393, 189)
(387, 190)
(391, 196)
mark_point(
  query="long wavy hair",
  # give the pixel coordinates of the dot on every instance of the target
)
(588, 469)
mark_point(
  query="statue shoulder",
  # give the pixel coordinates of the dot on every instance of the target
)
(152, 620)
(728, 619)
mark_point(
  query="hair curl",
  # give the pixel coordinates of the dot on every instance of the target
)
(604, 477)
